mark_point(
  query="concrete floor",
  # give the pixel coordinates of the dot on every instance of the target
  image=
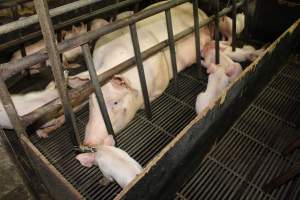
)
(12, 185)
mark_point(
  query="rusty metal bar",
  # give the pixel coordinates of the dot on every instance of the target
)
(68, 23)
(48, 33)
(11, 110)
(172, 49)
(197, 33)
(233, 44)
(217, 39)
(140, 67)
(246, 12)
(98, 91)
(5, 69)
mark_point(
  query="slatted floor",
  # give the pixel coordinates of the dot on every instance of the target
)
(249, 154)
(142, 139)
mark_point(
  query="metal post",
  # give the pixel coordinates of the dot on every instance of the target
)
(98, 91)
(49, 39)
(246, 10)
(11, 110)
(217, 45)
(233, 25)
(136, 7)
(140, 67)
(197, 33)
(172, 49)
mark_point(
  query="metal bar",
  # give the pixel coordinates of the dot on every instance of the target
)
(68, 23)
(5, 69)
(98, 91)
(140, 67)
(136, 7)
(197, 35)
(81, 93)
(48, 33)
(115, 11)
(11, 110)
(172, 49)
(246, 12)
(233, 25)
(53, 12)
(217, 39)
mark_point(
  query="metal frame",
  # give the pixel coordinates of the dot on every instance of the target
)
(54, 50)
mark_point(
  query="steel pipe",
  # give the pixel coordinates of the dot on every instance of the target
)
(217, 39)
(140, 67)
(50, 42)
(97, 88)
(197, 33)
(171, 43)
(233, 25)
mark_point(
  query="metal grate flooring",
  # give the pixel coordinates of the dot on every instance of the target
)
(249, 154)
(142, 139)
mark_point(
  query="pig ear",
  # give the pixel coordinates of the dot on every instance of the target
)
(63, 34)
(86, 159)
(119, 81)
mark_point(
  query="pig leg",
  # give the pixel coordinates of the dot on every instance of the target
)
(109, 141)
(105, 180)
(50, 126)
(68, 65)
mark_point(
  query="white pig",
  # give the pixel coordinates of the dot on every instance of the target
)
(123, 94)
(98, 23)
(114, 163)
(31, 49)
(27, 103)
(73, 54)
(226, 26)
(225, 61)
(217, 82)
(247, 52)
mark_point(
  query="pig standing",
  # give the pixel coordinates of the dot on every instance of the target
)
(124, 90)
(226, 26)
(217, 82)
(27, 103)
(114, 163)
(73, 54)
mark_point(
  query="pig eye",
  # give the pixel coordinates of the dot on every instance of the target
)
(116, 103)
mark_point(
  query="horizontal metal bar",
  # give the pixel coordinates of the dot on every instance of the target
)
(7, 28)
(140, 67)
(98, 91)
(19, 65)
(70, 22)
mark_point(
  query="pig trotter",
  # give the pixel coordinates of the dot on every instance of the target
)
(52, 125)
(104, 181)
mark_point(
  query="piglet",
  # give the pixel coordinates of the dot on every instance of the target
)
(98, 23)
(73, 54)
(27, 103)
(114, 163)
(226, 26)
(31, 49)
(217, 81)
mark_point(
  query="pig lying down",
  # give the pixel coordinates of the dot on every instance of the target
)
(114, 163)
(27, 103)
(123, 94)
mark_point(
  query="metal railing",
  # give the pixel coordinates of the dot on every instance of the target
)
(53, 51)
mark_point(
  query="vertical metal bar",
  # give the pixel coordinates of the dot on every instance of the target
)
(48, 33)
(99, 95)
(172, 49)
(197, 34)
(136, 7)
(140, 67)
(246, 10)
(233, 25)
(217, 45)
(11, 110)
(115, 12)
